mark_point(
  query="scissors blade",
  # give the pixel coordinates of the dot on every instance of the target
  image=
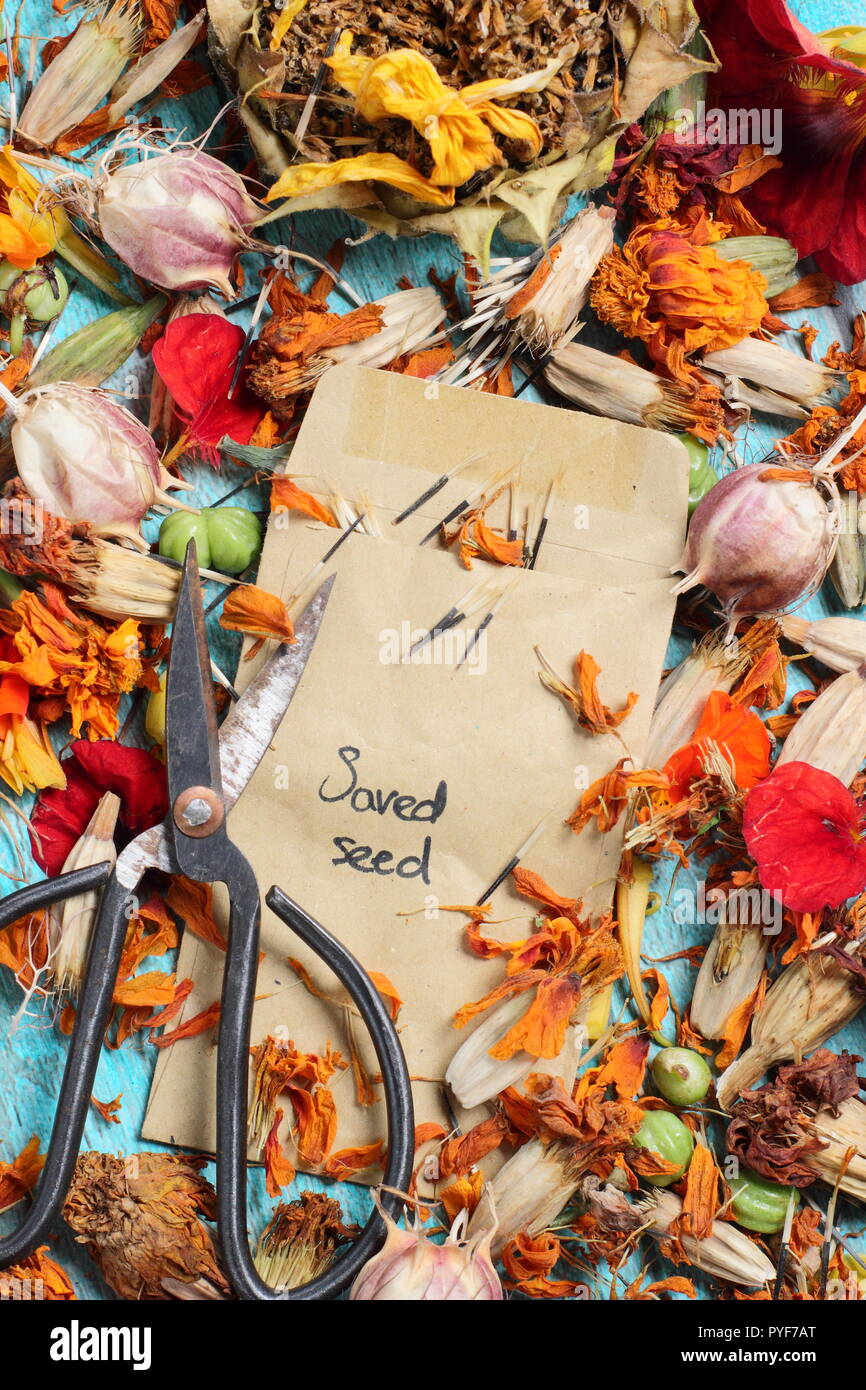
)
(246, 734)
(192, 736)
(249, 729)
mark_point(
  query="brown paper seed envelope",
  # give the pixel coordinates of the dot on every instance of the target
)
(395, 789)
(619, 506)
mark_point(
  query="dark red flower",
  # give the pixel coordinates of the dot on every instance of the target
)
(802, 828)
(771, 63)
(59, 817)
(196, 358)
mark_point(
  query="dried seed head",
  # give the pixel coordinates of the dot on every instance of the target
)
(726, 1253)
(773, 256)
(545, 308)
(848, 570)
(409, 318)
(831, 732)
(729, 974)
(810, 1001)
(839, 642)
(301, 1240)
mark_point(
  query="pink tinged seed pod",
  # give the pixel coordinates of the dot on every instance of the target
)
(178, 220)
(758, 542)
(84, 457)
(410, 1268)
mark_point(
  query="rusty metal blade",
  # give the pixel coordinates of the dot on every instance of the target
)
(249, 729)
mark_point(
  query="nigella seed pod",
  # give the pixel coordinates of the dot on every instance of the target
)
(83, 457)
(759, 541)
(178, 219)
(411, 1269)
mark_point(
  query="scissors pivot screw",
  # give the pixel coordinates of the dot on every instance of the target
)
(198, 812)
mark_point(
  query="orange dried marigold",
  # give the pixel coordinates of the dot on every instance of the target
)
(669, 287)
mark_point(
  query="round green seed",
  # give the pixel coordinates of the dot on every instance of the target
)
(681, 1075)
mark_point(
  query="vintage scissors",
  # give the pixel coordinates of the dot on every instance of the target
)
(207, 771)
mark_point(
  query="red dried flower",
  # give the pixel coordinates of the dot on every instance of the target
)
(196, 358)
(802, 828)
(59, 817)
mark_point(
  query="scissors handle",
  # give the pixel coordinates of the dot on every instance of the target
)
(94, 1007)
(238, 996)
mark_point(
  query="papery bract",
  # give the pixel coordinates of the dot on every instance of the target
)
(802, 828)
(410, 1268)
(178, 219)
(196, 358)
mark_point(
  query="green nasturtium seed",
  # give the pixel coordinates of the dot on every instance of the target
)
(681, 1075)
(702, 475)
(666, 1135)
(759, 1204)
(226, 538)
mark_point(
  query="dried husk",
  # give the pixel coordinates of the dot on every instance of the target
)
(775, 368)
(632, 900)
(839, 642)
(831, 732)
(729, 974)
(848, 569)
(93, 353)
(527, 1193)
(607, 385)
(71, 922)
(474, 1076)
(683, 694)
(810, 1001)
(844, 1133)
(726, 1253)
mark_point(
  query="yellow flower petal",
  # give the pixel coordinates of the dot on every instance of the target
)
(383, 168)
(284, 22)
(19, 245)
(27, 760)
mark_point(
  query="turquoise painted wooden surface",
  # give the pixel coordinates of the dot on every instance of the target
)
(31, 1050)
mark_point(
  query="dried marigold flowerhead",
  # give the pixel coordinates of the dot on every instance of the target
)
(726, 1253)
(178, 219)
(142, 1219)
(84, 72)
(811, 1000)
(301, 1240)
(84, 457)
(668, 286)
(621, 390)
(410, 1268)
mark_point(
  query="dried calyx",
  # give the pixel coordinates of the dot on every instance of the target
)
(608, 385)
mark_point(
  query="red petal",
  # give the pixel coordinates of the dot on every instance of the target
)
(59, 817)
(802, 828)
(196, 358)
(771, 63)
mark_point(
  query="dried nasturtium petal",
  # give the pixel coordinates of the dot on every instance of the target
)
(254, 611)
(802, 828)
(19, 1176)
